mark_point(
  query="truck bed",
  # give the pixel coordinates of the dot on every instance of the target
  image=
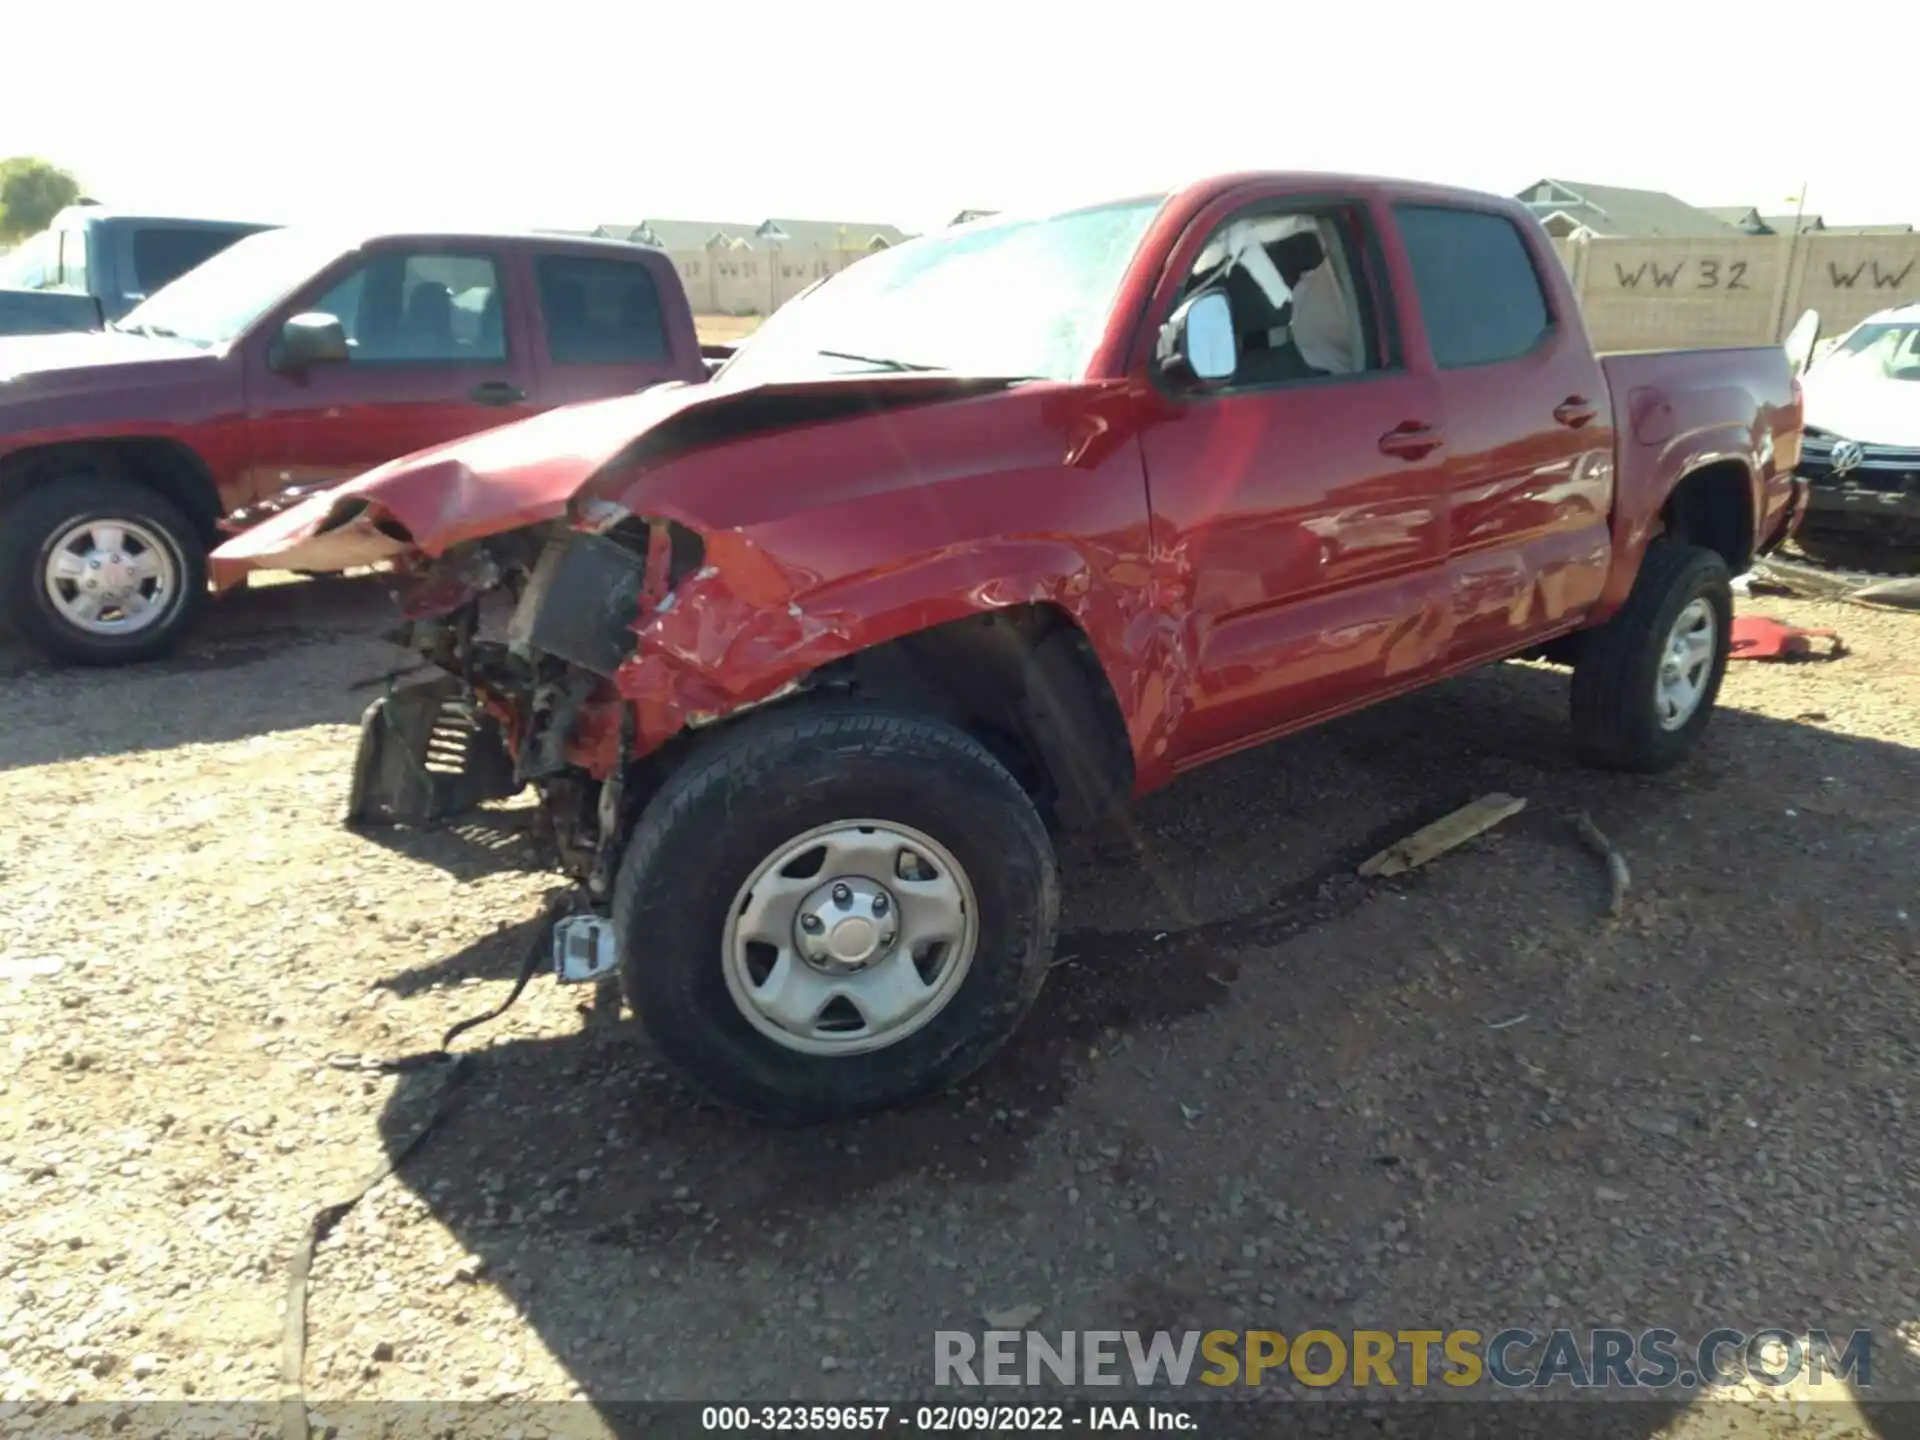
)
(47, 312)
(1677, 410)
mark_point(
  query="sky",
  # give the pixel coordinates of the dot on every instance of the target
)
(572, 113)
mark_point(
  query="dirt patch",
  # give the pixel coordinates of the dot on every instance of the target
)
(1257, 1090)
(725, 329)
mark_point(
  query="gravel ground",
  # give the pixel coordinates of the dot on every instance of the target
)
(1259, 1092)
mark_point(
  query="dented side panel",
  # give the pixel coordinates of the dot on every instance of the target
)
(829, 540)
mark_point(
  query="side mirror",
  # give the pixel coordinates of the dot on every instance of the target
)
(1199, 338)
(1801, 340)
(309, 340)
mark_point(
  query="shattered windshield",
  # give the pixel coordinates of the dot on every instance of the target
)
(1016, 299)
(1889, 351)
(216, 302)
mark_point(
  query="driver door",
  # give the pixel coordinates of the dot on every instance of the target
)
(431, 360)
(1299, 511)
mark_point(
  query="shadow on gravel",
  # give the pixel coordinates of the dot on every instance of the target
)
(260, 662)
(1663, 1115)
(496, 957)
(492, 840)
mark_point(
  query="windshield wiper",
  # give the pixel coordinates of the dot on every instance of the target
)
(157, 332)
(882, 362)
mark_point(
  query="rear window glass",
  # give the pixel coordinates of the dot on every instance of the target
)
(1480, 296)
(161, 256)
(599, 312)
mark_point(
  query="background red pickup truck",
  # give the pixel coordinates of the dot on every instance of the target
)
(995, 531)
(290, 361)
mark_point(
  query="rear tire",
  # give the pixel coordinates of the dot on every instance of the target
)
(71, 534)
(901, 809)
(1638, 703)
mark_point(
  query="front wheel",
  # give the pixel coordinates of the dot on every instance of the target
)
(96, 570)
(831, 911)
(1645, 683)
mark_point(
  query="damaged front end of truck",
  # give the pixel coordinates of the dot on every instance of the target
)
(573, 643)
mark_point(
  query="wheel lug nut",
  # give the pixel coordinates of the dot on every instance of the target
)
(812, 924)
(879, 904)
(842, 895)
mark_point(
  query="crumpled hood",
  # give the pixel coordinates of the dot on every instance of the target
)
(1868, 408)
(29, 360)
(525, 473)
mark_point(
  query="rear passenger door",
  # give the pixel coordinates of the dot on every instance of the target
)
(600, 327)
(1529, 444)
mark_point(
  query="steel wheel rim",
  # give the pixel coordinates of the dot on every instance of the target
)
(1686, 664)
(823, 973)
(111, 576)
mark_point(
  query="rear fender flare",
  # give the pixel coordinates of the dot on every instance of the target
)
(1648, 481)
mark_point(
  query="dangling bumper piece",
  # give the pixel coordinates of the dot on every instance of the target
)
(426, 753)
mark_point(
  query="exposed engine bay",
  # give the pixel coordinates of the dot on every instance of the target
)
(527, 629)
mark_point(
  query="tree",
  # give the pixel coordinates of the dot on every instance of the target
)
(32, 192)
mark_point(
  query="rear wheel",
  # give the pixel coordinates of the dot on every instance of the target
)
(831, 911)
(1645, 683)
(95, 570)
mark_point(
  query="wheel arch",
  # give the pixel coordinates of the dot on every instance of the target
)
(1018, 641)
(1024, 680)
(1711, 502)
(1712, 506)
(167, 466)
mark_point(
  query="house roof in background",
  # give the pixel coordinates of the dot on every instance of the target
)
(1783, 224)
(1617, 210)
(830, 234)
(670, 234)
(690, 234)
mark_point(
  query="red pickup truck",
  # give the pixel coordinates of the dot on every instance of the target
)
(992, 533)
(290, 361)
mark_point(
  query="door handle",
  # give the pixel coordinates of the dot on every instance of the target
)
(496, 392)
(1574, 411)
(1410, 441)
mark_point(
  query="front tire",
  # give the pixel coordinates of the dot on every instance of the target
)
(830, 911)
(1646, 682)
(96, 570)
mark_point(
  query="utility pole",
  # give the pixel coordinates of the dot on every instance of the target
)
(1789, 289)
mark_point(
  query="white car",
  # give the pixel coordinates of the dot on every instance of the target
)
(1861, 453)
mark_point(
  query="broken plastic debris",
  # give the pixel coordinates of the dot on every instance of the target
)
(1444, 834)
(1760, 637)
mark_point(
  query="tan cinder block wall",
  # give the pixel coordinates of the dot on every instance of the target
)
(1635, 294)
(754, 282)
(1745, 290)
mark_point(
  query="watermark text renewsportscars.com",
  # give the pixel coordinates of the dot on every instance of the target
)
(1456, 1361)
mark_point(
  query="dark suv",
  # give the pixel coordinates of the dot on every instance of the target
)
(92, 266)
